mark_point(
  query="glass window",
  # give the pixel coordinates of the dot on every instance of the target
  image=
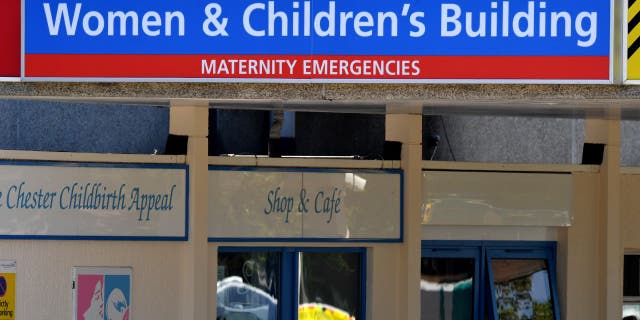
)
(631, 311)
(446, 288)
(248, 285)
(329, 283)
(631, 287)
(521, 289)
(490, 280)
(263, 284)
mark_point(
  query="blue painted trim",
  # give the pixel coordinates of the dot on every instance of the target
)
(553, 279)
(287, 293)
(400, 172)
(186, 205)
(482, 295)
(402, 220)
(493, 244)
(450, 252)
(479, 268)
(294, 286)
(450, 243)
(518, 244)
(304, 240)
(463, 252)
(104, 165)
(488, 250)
(284, 269)
(492, 288)
(547, 252)
(363, 283)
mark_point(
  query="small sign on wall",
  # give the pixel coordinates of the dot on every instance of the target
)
(632, 42)
(275, 204)
(101, 293)
(98, 201)
(7, 289)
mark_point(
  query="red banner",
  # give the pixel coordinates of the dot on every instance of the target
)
(315, 67)
(10, 38)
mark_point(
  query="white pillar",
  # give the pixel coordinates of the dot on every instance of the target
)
(611, 251)
(191, 118)
(404, 124)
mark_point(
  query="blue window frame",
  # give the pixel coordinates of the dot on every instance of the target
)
(488, 280)
(270, 283)
(631, 287)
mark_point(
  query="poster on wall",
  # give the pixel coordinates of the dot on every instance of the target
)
(632, 42)
(271, 204)
(319, 40)
(48, 200)
(7, 289)
(10, 40)
(102, 293)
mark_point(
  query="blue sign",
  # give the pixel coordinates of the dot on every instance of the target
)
(3, 286)
(284, 32)
(411, 27)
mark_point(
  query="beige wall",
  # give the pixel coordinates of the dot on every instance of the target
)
(167, 275)
(44, 275)
(44, 267)
(160, 268)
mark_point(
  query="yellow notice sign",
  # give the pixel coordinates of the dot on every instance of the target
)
(633, 40)
(7, 290)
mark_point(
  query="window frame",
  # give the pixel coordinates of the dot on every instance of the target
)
(289, 277)
(631, 299)
(483, 252)
(450, 249)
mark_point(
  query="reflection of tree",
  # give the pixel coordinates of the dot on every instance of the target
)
(514, 301)
(542, 311)
(257, 269)
(331, 278)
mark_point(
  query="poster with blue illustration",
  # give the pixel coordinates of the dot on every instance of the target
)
(102, 293)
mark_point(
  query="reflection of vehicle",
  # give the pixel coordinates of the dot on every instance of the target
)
(631, 311)
(238, 300)
(441, 299)
(321, 311)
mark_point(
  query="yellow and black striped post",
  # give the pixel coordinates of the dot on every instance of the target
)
(633, 40)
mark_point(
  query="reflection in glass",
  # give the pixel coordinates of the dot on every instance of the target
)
(631, 311)
(329, 286)
(631, 278)
(248, 285)
(446, 288)
(522, 289)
